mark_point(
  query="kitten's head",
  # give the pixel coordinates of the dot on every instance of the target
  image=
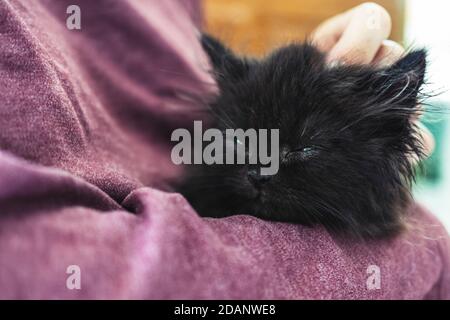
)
(345, 139)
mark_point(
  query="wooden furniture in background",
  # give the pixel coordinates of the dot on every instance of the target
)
(256, 26)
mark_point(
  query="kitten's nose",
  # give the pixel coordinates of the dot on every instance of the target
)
(256, 178)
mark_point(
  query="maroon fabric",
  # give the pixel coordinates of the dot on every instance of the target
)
(85, 121)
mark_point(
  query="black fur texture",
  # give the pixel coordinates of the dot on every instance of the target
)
(346, 140)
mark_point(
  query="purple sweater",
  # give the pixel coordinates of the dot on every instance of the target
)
(85, 118)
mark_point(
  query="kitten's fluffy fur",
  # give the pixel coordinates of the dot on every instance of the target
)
(345, 140)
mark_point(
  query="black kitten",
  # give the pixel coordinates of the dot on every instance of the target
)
(345, 140)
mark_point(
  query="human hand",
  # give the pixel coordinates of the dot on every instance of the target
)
(360, 36)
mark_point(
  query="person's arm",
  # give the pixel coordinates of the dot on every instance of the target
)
(360, 35)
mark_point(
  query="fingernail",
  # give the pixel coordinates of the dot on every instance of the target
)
(333, 63)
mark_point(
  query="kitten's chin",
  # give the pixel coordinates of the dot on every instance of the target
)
(247, 191)
(259, 203)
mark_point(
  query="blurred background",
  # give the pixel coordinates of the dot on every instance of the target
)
(256, 26)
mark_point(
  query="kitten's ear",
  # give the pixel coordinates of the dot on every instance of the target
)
(413, 64)
(223, 60)
(403, 79)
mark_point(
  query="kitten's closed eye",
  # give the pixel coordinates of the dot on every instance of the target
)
(303, 153)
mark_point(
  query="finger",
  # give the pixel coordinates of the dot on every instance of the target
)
(427, 140)
(328, 33)
(389, 53)
(369, 25)
(416, 116)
